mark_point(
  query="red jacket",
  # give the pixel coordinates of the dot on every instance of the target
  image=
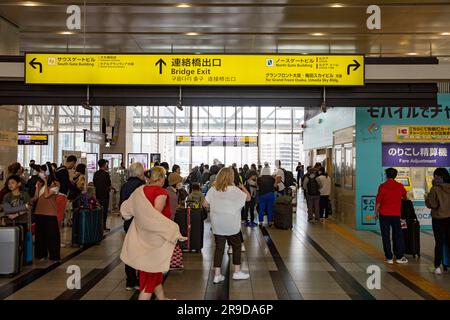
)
(389, 197)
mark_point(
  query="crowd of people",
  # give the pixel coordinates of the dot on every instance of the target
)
(232, 196)
(37, 198)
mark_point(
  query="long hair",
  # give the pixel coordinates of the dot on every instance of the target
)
(51, 176)
(443, 173)
(224, 179)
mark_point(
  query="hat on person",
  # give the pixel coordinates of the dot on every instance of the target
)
(174, 178)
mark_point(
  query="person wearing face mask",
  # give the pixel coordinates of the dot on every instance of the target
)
(438, 200)
(175, 184)
(279, 178)
(47, 241)
(136, 179)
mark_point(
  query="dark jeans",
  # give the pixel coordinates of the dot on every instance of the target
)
(324, 206)
(234, 241)
(313, 204)
(250, 206)
(441, 230)
(386, 223)
(47, 238)
(105, 204)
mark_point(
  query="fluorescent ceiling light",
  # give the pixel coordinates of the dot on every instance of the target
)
(336, 5)
(183, 5)
(30, 4)
(317, 34)
(192, 34)
(445, 34)
(66, 32)
(412, 53)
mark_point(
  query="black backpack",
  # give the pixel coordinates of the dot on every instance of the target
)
(313, 186)
(288, 179)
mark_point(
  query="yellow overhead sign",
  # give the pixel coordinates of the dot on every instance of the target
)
(190, 69)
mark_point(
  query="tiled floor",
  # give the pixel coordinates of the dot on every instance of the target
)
(313, 261)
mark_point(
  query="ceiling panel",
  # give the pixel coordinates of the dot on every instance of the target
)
(408, 27)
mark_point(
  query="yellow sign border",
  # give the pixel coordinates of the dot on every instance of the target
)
(274, 84)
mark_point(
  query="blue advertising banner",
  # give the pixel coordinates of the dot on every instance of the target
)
(415, 155)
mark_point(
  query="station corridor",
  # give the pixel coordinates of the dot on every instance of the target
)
(323, 261)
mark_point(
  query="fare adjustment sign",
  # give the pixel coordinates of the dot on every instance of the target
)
(182, 69)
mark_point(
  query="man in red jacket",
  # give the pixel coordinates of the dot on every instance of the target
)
(388, 208)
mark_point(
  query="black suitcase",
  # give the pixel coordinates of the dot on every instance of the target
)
(191, 226)
(282, 216)
(411, 235)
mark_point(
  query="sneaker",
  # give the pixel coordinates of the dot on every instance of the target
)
(389, 261)
(260, 224)
(403, 260)
(242, 248)
(128, 288)
(437, 271)
(240, 275)
(230, 250)
(218, 278)
(270, 224)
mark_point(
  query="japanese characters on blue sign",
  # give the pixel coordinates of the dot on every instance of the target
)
(408, 112)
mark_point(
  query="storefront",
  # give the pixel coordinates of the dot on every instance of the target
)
(415, 141)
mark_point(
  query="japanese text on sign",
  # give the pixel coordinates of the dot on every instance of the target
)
(188, 69)
(423, 133)
(408, 112)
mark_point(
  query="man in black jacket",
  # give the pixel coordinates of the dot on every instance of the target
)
(136, 179)
(102, 184)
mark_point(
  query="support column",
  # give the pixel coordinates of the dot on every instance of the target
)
(9, 45)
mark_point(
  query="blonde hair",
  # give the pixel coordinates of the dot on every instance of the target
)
(155, 174)
(224, 179)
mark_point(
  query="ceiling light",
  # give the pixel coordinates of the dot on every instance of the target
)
(30, 4)
(412, 53)
(183, 5)
(192, 34)
(336, 5)
(66, 32)
(317, 34)
(445, 34)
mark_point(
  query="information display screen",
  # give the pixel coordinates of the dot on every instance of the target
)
(32, 139)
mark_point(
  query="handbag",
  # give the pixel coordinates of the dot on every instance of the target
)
(176, 261)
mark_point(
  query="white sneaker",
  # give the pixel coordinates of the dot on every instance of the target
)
(389, 261)
(230, 250)
(242, 248)
(402, 261)
(437, 271)
(218, 278)
(240, 275)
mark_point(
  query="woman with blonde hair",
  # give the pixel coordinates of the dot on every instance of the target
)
(151, 237)
(226, 201)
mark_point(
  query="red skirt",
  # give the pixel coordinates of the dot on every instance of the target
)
(148, 281)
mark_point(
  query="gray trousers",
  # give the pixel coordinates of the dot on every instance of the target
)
(313, 203)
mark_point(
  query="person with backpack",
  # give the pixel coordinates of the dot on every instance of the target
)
(63, 177)
(312, 190)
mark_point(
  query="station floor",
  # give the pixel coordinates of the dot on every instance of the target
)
(325, 261)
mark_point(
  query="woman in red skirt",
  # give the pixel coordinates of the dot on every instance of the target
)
(159, 198)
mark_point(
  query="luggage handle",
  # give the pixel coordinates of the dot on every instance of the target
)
(6, 217)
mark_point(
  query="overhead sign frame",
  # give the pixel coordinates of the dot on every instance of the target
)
(138, 71)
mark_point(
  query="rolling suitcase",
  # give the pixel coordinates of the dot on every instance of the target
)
(11, 250)
(282, 212)
(411, 234)
(87, 226)
(191, 226)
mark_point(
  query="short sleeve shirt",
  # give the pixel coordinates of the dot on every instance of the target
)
(225, 210)
(153, 192)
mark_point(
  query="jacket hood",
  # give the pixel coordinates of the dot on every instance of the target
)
(445, 187)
